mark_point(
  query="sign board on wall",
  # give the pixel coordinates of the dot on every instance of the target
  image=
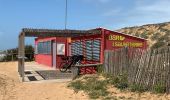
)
(60, 49)
(118, 41)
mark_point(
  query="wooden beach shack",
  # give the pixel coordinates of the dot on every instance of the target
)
(52, 45)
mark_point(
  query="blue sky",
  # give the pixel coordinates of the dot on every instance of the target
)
(82, 14)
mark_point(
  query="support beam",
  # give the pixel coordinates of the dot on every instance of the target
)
(19, 63)
(21, 55)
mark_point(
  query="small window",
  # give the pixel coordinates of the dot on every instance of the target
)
(44, 47)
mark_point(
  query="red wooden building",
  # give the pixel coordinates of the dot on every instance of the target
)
(50, 50)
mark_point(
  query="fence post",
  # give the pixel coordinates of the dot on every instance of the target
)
(12, 56)
(106, 61)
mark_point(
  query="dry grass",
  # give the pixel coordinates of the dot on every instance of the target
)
(110, 91)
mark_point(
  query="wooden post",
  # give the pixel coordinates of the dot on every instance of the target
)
(21, 55)
(18, 54)
(75, 72)
(102, 46)
(12, 56)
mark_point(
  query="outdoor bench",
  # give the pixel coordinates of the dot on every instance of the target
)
(76, 68)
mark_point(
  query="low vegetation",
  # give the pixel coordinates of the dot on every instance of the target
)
(137, 88)
(12, 54)
(144, 35)
(119, 81)
(156, 34)
(159, 88)
(96, 86)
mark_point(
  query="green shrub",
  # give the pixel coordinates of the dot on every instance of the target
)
(96, 88)
(121, 85)
(107, 75)
(100, 69)
(159, 88)
(156, 36)
(114, 80)
(94, 94)
(144, 35)
(92, 86)
(120, 81)
(158, 44)
(137, 88)
(12, 53)
(77, 85)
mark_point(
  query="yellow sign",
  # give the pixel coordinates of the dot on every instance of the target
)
(122, 43)
(116, 37)
(127, 44)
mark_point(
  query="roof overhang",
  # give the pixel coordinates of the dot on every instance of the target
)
(57, 33)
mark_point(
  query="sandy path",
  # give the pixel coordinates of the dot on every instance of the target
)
(12, 89)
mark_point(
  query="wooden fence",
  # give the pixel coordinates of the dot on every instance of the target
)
(143, 67)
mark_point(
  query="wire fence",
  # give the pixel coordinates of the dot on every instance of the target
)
(6, 56)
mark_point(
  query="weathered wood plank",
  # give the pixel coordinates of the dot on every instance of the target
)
(147, 68)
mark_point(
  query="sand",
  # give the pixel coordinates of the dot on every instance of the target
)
(12, 89)
(127, 95)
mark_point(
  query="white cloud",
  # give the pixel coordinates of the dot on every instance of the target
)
(161, 6)
(158, 11)
(143, 12)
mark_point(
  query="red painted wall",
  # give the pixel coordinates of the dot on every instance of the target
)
(106, 44)
(44, 59)
(115, 40)
(58, 57)
(47, 59)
